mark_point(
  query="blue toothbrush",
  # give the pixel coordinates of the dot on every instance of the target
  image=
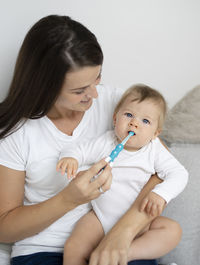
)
(115, 152)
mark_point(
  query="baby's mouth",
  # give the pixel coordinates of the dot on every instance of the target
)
(132, 132)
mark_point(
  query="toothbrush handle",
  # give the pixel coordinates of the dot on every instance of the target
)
(108, 160)
(116, 151)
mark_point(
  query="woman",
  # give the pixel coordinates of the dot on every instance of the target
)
(53, 101)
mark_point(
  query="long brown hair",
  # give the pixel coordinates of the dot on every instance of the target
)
(54, 46)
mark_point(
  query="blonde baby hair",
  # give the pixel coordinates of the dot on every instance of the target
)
(141, 92)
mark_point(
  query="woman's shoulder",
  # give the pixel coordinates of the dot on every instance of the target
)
(101, 112)
(109, 93)
(107, 99)
(15, 148)
(23, 128)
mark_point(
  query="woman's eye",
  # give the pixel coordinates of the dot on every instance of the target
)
(129, 115)
(79, 92)
(146, 121)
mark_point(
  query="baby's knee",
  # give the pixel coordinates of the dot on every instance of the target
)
(174, 231)
(70, 246)
(172, 227)
(76, 251)
(175, 228)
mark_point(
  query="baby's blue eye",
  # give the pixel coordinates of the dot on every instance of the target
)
(146, 121)
(129, 115)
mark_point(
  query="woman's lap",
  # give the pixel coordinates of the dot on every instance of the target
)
(52, 258)
(143, 262)
(41, 258)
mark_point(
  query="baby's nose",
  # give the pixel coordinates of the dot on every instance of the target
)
(134, 122)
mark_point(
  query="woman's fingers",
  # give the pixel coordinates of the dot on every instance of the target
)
(95, 259)
(96, 177)
(103, 181)
(111, 257)
(84, 188)
(96, 168)
(106, 186)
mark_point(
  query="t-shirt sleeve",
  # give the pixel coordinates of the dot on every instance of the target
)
(170, 170)
(12, 152)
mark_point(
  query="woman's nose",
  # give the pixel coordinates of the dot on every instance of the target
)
(92, 92)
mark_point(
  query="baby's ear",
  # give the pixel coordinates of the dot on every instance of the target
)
(157, 132)
(114, 119)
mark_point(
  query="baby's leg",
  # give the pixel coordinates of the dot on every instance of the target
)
(162, 236)
(84, 238)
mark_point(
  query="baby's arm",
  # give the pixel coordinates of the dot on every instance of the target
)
(68, 164)
(88, 152)
(174, 178)
(154, 202)
(170, 170)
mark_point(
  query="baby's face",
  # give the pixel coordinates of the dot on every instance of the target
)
(141, 118)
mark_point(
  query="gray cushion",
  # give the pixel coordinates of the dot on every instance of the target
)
(182, 124)
(186, 208)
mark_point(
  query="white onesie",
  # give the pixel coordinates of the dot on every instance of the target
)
(131, 171)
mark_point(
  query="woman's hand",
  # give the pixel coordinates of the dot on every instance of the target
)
(113, 249)
(84, 188)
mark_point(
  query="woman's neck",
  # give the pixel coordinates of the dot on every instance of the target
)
(58, 113)
(65, 121)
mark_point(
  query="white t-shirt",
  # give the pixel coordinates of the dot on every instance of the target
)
(131, 171)
(35, 148)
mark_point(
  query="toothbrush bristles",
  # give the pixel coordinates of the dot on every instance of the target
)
(127, 137)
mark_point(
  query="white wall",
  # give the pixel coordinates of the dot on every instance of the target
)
(156, 42)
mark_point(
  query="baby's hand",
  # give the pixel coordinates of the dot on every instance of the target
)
(69, 165)
(152, 204)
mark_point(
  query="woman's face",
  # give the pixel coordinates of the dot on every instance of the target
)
(79, 89)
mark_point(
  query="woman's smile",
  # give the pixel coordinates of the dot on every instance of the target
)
(86, 101)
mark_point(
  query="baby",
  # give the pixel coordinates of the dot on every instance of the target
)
(141, 110)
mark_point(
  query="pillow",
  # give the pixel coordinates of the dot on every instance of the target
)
(182, 123)
(185, 208)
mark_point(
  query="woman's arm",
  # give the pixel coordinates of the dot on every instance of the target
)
(18, 221)
(113, 249)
